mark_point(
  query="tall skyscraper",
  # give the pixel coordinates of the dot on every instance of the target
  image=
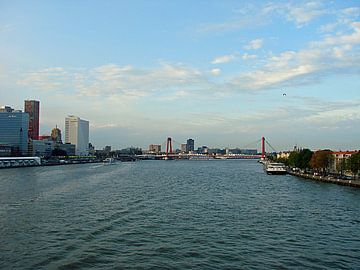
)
(32, 108)
(190, 145)
(14, 126)
(77, 132)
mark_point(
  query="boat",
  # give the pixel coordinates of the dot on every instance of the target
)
(109, 161)
(275, 168)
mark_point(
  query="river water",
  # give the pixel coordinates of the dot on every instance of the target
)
(221, 214)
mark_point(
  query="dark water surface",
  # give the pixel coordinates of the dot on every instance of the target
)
(174, 215)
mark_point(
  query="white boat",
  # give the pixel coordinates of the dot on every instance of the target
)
(109, 161)
(275, 168)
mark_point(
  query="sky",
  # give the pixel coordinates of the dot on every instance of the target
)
(224, 73)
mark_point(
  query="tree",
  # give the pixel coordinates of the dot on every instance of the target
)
(293, 159)
(304, 158)
(321, 159)
(354, 163)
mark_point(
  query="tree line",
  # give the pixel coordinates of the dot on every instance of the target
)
(321, 161)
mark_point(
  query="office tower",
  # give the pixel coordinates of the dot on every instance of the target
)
(155, 148)
(183, 147)
(56, 135)
(32, 108)
(77, 132)
(190, 145)
(14, 126)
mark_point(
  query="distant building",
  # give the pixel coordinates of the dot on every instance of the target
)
(340, 158)
(283, 155)
(183, 147)
(203, 150)
(41, 148)
(77, 132)
(67, 147)
(56, 135)
(44, 137)
(5, 150)
(190, 146)
(217, 151)
(248, 151)
(32, 108)
(155, 148)
(14, 127)
(107, 149)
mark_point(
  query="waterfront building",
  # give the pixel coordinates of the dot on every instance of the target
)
(339, 160)
(56, 135)
(190, 145)
(67, 147)
(203, 150)
(155, 148)
(249, 151)
(14, 126)
(41, 148)
(283, 155)
(32, 108)
(183, 147)
(77, 133)
(5, 150)
(107, 149)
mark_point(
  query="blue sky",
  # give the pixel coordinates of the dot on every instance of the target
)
(214, 71)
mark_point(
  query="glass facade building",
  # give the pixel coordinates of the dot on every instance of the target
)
(190, 145)
(14, 126)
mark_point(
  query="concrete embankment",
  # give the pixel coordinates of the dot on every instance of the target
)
(327, 179)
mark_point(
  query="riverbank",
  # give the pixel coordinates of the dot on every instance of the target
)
(327, 179)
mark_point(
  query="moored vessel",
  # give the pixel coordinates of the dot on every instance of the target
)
(275, 168)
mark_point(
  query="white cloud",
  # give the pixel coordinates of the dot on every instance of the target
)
(114, 81)
(327, 27)
(6, 28)
(223, 59)
(250, 14)
(247, 56)
(304, 13)
(216, 71)
(254, 44)
(333, 54)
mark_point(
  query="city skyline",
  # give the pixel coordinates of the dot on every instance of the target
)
(222, 73)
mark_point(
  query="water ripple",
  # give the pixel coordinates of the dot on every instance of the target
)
(174, 215)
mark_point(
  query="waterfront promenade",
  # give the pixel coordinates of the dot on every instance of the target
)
(327, 179)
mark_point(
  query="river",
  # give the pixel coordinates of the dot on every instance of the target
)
(216, 214)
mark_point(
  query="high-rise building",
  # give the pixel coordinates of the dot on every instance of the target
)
(183, 147)
(32, 108)
(77, 132)
(14, 126)
(155, 148)
(56, 135)
(190, 145)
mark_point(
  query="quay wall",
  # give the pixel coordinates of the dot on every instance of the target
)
(327, 179)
